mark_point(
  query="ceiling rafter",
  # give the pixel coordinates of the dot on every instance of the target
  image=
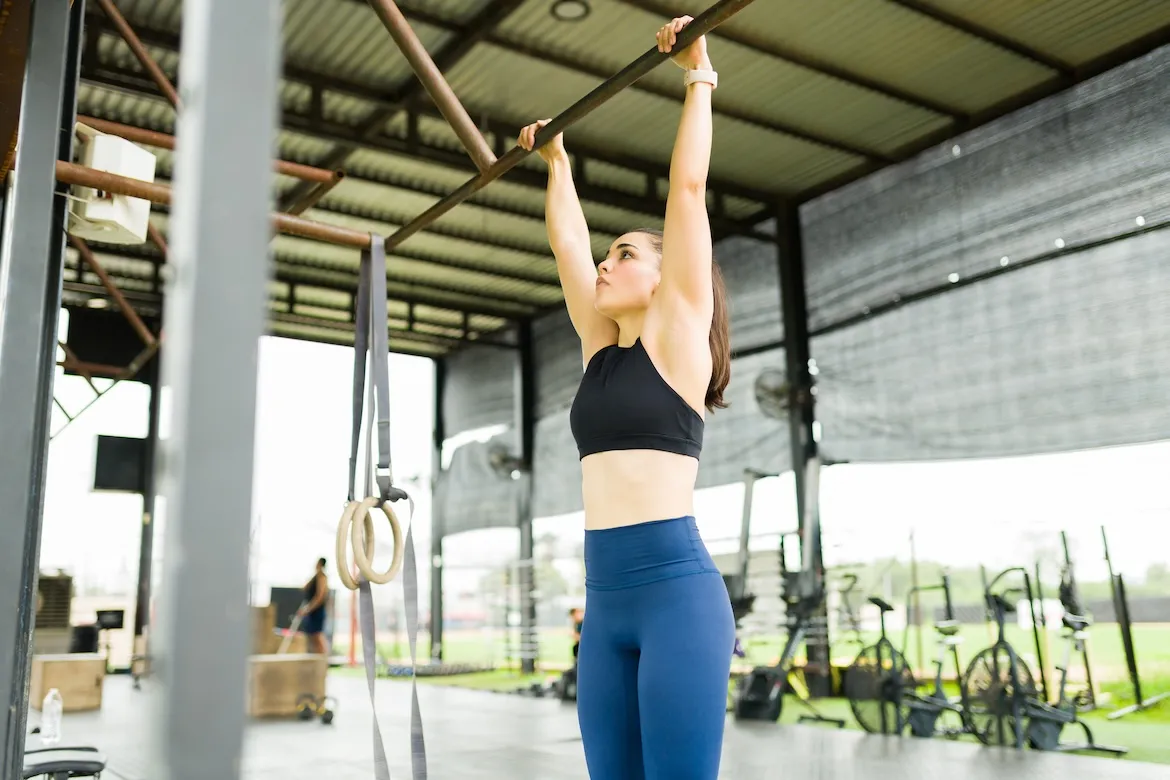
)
(506, 127)
(448, 57)
(551, 56)
(812, 62)
(650, 204)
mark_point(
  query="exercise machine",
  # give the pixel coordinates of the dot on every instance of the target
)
(1121, 609)
(760, 695)
(998, 683)
(1047, 721)
(877, 681)
(924, 710)
(845, 611)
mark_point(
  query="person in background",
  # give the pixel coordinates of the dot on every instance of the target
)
(312, 612)
(577, 615)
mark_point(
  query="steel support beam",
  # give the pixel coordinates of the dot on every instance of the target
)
(704, 23)
(32, 248)
(801, 415)
(525, 396)
(146, 537)
(215, 317)
(437, 527)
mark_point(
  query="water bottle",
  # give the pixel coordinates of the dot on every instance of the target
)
(51, 710)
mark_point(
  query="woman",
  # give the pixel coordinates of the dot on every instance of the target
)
(312, 612)
(656, 651)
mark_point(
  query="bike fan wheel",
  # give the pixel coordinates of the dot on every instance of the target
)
(875, 684)
(990, 689)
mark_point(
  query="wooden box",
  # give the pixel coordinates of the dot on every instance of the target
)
(276, 681)
(263, 625)
(78, 677)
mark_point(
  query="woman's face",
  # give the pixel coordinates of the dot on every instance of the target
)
(628, 276)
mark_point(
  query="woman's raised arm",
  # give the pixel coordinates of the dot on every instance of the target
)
(568, 235)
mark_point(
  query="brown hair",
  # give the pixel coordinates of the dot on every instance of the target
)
(720, 335)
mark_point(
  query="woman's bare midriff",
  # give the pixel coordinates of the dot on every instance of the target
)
(627, 487)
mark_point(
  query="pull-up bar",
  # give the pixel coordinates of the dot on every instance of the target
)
(433, 81)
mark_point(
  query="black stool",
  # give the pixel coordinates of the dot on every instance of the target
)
(63, 763)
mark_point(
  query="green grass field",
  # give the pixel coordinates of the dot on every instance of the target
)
(1144, 733)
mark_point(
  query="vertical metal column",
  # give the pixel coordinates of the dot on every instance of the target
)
(146, 540)
(437, 529)
(526, 425)
(801, 417)
(31, 268)
(215, 316)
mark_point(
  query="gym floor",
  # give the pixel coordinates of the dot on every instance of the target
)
(472, 734)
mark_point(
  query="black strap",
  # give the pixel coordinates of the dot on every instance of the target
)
(371, 335)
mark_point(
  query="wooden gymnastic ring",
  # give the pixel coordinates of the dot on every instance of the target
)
(362, 542)
(343, 536)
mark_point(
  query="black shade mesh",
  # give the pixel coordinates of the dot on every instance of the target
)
(1076, 167)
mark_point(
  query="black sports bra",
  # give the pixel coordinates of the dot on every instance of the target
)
(623, 403)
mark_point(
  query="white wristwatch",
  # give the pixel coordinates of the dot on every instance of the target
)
(702, 76)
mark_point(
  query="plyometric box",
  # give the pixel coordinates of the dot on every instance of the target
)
(275, 682)
(78, 677)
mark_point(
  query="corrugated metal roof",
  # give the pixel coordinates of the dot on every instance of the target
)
(811, 95)
(347, 39)
(1075, 31)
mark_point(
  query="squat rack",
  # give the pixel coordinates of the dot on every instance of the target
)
(215, 316)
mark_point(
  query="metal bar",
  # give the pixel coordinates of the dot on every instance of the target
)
(434, 83)
(525, 422)
(140, 52)
(801, 416)
(439, 435)
(32, 248)
(553, 56)
(164, 141)
(708, 20)
(146, 537)
(80, 175)
(71, 356)
(64, 411)
(127, 310)
(214, 320)
(405, 96)
(497, 124)
(346, 134)
(92, 369)
(284, 223)
(314, 195)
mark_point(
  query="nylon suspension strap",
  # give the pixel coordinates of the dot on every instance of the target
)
(370, 336)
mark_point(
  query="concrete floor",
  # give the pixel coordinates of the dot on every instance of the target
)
(471, 734)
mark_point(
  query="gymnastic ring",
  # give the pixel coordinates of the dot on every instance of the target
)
(363, 543)
(343, 529)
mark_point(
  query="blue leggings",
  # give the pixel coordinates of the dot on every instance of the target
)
(655, 654)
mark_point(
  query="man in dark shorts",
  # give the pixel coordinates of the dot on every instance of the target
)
(312, 614)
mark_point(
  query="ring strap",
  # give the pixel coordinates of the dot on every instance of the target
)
(371, 335)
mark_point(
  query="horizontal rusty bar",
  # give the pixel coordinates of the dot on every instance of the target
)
(163, 141)
(704, 23)
(435, 84)
(70, 173)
